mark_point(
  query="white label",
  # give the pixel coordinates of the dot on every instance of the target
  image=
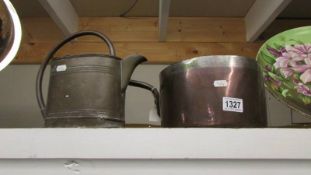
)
(61, 68)
(220, 83)
(232, 104)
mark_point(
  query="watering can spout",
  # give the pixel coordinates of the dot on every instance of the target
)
(128, 66)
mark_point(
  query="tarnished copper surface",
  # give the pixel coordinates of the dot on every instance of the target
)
(188, 97)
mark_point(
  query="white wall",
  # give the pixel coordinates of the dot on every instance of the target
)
(18, 105)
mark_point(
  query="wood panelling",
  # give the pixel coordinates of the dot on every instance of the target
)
(41, 29)
(202, 29)
(187, 38)
(156, 52)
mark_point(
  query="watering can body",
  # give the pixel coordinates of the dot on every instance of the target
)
(86, 87)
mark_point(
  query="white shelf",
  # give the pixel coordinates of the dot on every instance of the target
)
(240, 150)
(156, 143)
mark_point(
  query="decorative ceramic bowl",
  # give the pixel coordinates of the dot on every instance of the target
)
(285, 62)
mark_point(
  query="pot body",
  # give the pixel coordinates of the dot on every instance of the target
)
(212, 91)
(84, 91)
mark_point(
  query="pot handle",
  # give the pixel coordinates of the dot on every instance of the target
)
(51, 54)
(149, 87)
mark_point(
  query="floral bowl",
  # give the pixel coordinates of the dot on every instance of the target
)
(285, 63)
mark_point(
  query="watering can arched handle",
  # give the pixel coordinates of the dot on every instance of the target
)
(150, 88)
(51, 54)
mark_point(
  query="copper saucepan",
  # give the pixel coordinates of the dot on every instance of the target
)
(212, 91)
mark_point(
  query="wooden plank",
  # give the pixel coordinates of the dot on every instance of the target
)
(40, 29)
(63, 14)
(164, 10)
(202, 29)
(260, 16)
(187, 37)
(156, 52)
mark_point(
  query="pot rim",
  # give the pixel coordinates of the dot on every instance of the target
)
(211, 61)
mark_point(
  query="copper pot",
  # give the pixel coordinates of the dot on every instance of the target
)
(212, 91)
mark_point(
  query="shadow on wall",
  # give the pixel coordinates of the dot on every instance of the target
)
(19, 109)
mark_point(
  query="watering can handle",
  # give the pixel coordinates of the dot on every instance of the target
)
(151, 88)
(54, 50)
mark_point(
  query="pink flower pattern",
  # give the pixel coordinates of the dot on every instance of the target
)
(295, 59)
(303, 89)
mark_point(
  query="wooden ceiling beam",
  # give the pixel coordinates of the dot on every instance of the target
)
(164, 9)
(63, 14)
(261, 15)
